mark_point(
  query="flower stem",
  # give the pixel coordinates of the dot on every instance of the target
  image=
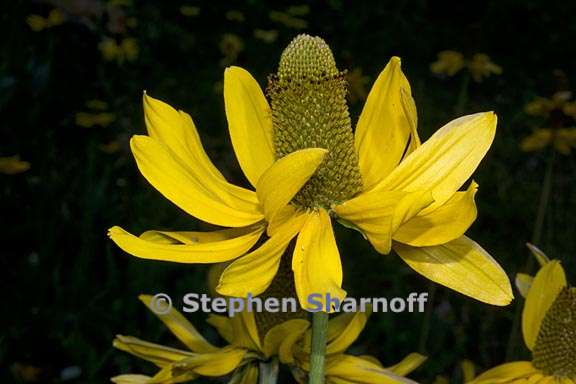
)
(536, 238)
(268, 372)
(318, 353)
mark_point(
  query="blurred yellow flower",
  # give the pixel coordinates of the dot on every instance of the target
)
(126, 50)
(38, 23)
(558, 110)
(401, 194)
(548, 327)
(234, 15)
(562, 140)
(288, 20)
(287, 342)
(110, 147)
(97, 105)
(480, 66)
(89, 120)
(267, 36)
(230, 45)
(12, 165)
(449, 63)
(189, 10)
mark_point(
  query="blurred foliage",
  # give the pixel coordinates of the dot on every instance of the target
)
(72, 75)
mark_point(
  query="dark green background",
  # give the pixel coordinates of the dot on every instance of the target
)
(67, 290)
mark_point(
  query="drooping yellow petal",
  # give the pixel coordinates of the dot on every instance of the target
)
(358, 370)
(253, 273)
(506, 373)
(409, 106)
(131, 379)
(378, 214)
(155, 353)
(280, 183)
(223, 326)
(169, 249)
(383, 129)
(538, 254)
(523, 283)
(181, 328)
(276, 336)
(463, 266)
(206, 201)
(245, 375)
(343, 330)
(316, 261)
(249, 122)
(441, 224)
(408, 364)
(177, 132)
(546, 286)
(245, 332)
(212, 364)
(446, 160)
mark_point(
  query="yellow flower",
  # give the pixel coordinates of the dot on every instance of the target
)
(230, 45)
(307, 167)
(288, 20)
(12, 165)
(449, 63)
(288, 342)
(189, 11)
(562, 139)
(37, 23)
(267, 36)
(126, 50)
(548, 327)
(481, 67)
(89, 120)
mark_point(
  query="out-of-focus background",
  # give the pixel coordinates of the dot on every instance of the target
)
(72, 75)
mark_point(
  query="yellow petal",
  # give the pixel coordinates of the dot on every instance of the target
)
(290, 344)
(446, 160)
(245, 332)
(155, 353)
(316, 260)
(383, 129)
(441, 224)
(358, 370)
(343, 330)
(223, 325)
(131, 379)
(463, 266)
(468, 370)
(276, 336)
(546, 286)
(168, 249)
(538, 254)
(249, 121)
(280, 183)
(181, 328)
(408, 364)
(505, 373)
(378, 214)
(178, 183)
(409, 107)
(177, 132)
(253, 273)
(248, 374)
(218, 363)
(523, 283)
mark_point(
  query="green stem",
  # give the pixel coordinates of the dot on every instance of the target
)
(318, 352)
(463, 95)
(536, 238)
(425, 330)
(268, 372)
